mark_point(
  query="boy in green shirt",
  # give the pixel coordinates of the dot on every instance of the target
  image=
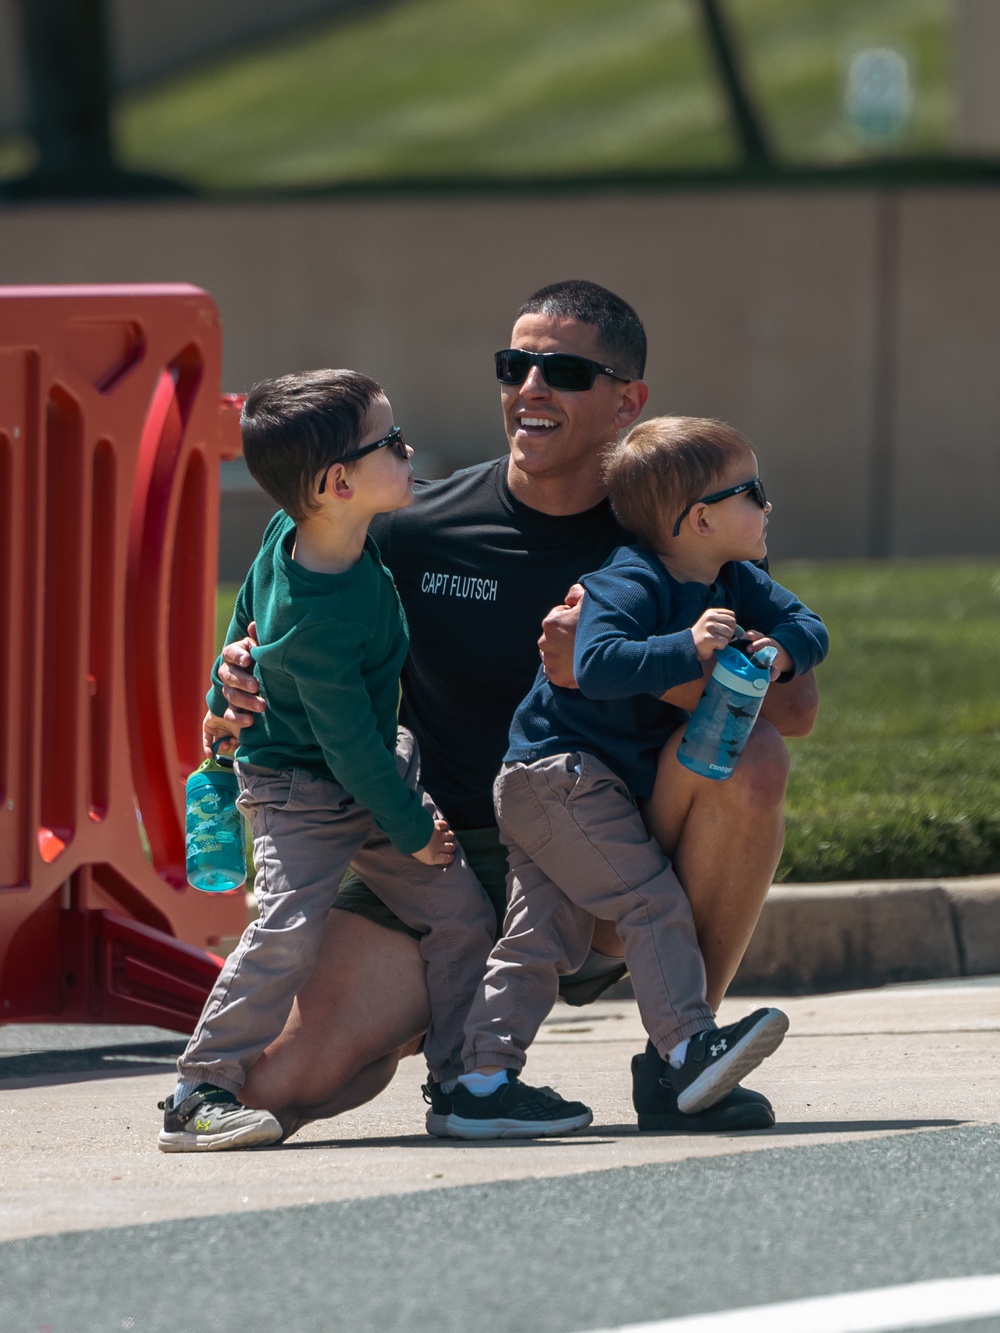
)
(327, 779)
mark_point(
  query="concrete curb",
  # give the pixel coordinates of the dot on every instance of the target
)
(825, 937)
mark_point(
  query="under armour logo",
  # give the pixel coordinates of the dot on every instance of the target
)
(202, 1126)
(718, 1048)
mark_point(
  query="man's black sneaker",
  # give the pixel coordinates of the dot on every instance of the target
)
(717, 1059)
(211, 1119)
(514, 1111)
(578, 993)
(439, 1108)
(655, 1103)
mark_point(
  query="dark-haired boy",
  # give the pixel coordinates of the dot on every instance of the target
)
(652, 619)
(327, 780)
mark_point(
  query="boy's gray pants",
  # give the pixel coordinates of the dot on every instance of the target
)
(306, 831)
(577, 849)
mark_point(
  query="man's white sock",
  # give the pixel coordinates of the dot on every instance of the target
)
(481, 1085)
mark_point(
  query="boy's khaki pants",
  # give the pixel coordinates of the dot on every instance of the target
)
(577, 849)
(307, 830)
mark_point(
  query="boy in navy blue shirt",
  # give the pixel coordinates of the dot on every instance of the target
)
(579, 760)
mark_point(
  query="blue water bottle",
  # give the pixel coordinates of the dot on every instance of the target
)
(214, 834)
(726, 712)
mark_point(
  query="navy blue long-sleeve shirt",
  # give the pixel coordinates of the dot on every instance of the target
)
(634, 643)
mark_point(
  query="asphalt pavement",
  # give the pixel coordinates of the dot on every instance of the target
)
(884, 1169)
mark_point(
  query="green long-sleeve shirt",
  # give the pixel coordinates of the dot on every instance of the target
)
(331, 649)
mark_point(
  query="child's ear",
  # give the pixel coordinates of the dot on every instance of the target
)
(338, 482)
(700, 520)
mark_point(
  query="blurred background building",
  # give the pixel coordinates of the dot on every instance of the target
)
(799, 196)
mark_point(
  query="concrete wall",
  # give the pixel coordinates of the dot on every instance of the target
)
(854, 336)
(977, 85)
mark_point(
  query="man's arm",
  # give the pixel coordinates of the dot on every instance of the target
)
(790, 707)
(238, 683)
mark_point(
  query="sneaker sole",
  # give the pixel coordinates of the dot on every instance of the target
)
(727, 1122)
(437, 1124)
(458, 1128)
(746, 1055)
(249, 1136)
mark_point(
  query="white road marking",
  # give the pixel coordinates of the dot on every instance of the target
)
(916, 1305)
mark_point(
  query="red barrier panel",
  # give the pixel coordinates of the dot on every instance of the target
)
(111, 433)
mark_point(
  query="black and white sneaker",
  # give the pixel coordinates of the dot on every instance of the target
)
(514, 1111)
(438, 1108)
(211, 1119)
(718, 1058)
(655, 1102)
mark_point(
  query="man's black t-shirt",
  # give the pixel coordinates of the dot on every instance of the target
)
(476, 571)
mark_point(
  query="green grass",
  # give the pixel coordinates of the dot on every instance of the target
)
(901, 776)
(453, 87)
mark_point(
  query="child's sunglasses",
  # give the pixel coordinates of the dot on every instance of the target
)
(394, 440)
(560, 370)
(756, 486)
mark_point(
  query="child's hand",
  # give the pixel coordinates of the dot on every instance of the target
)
(712, 631)
(219, 729)
(440, 851)
(781, 663)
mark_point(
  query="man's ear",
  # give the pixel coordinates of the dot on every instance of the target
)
(633, 400)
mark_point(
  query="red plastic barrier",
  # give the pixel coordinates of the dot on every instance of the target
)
(111, 433)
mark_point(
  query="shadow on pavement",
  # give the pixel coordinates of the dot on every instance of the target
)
(606, 1134)
(791, 1127)
(38, 1068)
(859, 1126)
(430, 1141)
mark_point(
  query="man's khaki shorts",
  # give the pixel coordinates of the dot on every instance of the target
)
(487, 859)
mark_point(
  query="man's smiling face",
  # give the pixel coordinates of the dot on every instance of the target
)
(555, 432)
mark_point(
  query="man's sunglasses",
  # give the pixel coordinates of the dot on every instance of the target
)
(755, 486)
(560, 370)
(394, 440)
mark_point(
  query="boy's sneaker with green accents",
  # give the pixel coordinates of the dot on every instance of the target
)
(438, 1108)
(718, 1058)
(514, 1111)
(211, 1119)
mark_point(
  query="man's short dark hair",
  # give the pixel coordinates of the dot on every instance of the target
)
(665, 464)
(296, 426)
(623, 339)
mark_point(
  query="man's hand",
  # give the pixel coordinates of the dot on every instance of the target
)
(558, 638)
(239, 684)
(226, 730)
(712, 630)
(440, 851)
(781, 663)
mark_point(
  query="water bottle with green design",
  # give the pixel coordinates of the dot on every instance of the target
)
(214, 832)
